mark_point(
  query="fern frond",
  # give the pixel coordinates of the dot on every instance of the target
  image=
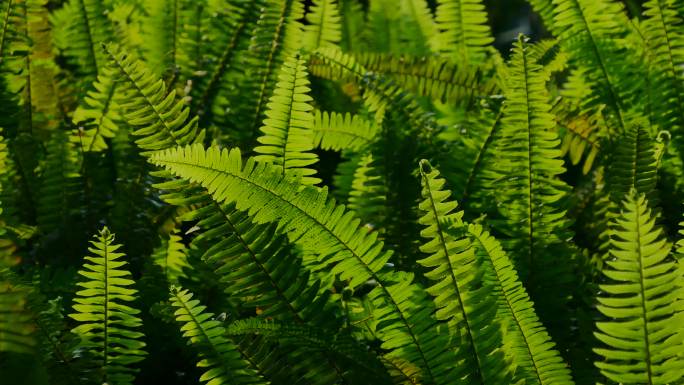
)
(341, 132)
(228, 36)
(161, 120)
(276, 36)
(380, 93)
(219, 355)
(662, 33)
(259, 268)
(16, 63)
(438, 78)
(353, 23)
(460, 294)
(532, 149)
(641, 335)
(337, 347)
(324, 25)
(479, 145)
(590, 33)
(322, 228)
(97, 118)
(56, 343)
(583, 135)
(109, 327)
(80, 27)
(545, 10)
(532, 348)
(164, 20)
(399, 28)
(464, 32)
(368, 192)
(532, 196)
(60, 185)
(171, 256)
(633, 165)
(287, 134)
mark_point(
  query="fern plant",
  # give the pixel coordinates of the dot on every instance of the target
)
(341, 192)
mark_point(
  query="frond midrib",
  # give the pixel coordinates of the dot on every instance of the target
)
(642, 297)
(530, 191)
(105, 352)
(290, 106)
(319, 36)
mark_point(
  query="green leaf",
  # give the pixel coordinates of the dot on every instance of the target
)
(109, 327)
(641, 331)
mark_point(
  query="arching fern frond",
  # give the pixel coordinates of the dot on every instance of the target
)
(532, 349)
(340, 132)
(641, 334)
(109, 327)
(307, 215)
(219, 355)
(438, 78)
(287, 134)
(161, 120)
(461, 296)
(324, 27)
(326, 230)
(464, 32)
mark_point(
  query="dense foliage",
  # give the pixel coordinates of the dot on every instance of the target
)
(340, 192)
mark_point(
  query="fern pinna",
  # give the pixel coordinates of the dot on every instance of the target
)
(317, 192)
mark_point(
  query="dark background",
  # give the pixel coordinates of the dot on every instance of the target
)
(509, 17)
